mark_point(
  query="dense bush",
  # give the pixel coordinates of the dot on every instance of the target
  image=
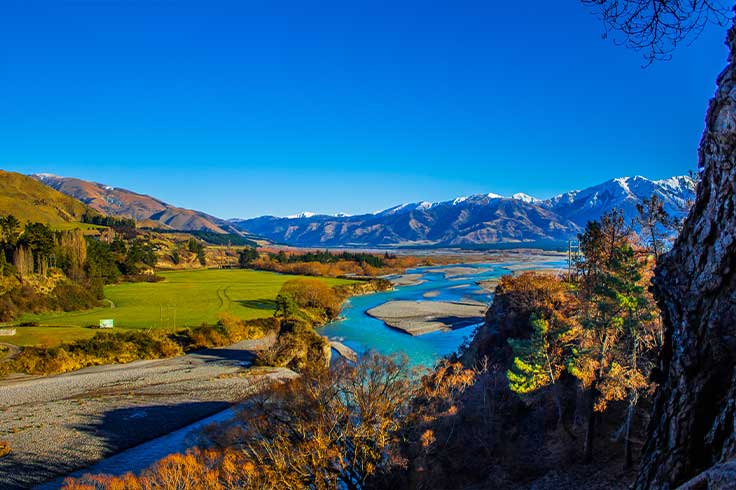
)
(103, 348)
(127, 346)
(228, 330)
(66, 296)
(298, 347)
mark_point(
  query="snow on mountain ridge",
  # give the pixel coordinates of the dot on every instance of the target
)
(520, 196)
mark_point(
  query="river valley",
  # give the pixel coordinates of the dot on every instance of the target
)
(142, 391)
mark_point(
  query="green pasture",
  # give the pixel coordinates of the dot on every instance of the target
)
(184, 298)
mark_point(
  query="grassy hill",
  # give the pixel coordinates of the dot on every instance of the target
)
(30, 200)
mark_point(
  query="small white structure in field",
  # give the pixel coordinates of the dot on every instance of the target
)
(7, 332)
(107, 323)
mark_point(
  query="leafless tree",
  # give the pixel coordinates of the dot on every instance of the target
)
(657, 27)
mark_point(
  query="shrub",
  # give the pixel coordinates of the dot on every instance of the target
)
(298, 347)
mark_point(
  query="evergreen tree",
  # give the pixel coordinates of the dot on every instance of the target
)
(615, 316)
(540, 360)
(286, 306)
(246, 257)
(100, 263)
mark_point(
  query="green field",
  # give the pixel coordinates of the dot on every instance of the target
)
(184, 298)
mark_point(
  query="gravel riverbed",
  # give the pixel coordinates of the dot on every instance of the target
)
(58, 424)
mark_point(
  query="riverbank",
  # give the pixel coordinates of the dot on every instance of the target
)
(59, 424)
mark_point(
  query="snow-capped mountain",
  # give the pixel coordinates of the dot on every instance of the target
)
(475, 219)
(622, 193)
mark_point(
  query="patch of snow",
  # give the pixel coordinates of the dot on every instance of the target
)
(304, 214)
(46, 175)
(520, 196)
(624, 183)
(426, 205)
(677, 183)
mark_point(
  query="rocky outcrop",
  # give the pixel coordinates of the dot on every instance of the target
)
(693, 424)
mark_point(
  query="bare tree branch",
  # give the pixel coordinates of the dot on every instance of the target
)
(658, 27)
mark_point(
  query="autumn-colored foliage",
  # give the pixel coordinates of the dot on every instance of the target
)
(601, 328)
(313, 293)
(307, 263)
(5, 448)
(325, 430)
(126, 346)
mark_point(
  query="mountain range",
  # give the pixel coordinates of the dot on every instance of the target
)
(477, 219)
(464, 221)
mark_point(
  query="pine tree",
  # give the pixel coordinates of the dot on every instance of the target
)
(540, 360)
(617, 322)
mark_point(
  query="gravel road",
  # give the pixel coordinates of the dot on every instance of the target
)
(62, 423)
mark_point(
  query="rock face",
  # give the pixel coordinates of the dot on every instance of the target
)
(693, 424)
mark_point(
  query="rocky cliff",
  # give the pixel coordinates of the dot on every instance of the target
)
(694, 416)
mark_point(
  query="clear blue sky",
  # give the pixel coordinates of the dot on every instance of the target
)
(273, 107)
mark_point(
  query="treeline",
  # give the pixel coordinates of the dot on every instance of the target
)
(43, 269)
(600, 326)
(329, 264)
(121, 225)
(327, 257)
(213, 238)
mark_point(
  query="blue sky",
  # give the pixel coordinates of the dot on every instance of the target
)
(274, 107)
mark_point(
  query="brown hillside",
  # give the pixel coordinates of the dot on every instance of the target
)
(29, 200)
(115, 201)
